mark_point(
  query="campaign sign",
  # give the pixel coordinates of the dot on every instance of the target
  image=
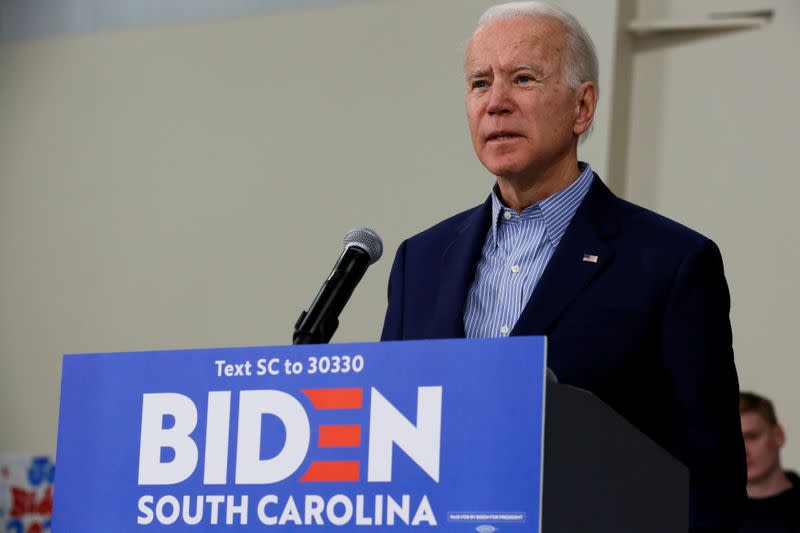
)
(398, 436)
(26, 492)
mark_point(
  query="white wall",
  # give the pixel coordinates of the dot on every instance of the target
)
(713, 143)
(189, 186)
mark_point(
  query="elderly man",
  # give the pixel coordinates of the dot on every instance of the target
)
(635, 306)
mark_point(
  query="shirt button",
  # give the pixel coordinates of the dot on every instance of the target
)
(504, 330)
(507, 215)
(515, 269)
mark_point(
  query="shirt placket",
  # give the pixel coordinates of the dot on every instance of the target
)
(510, 269)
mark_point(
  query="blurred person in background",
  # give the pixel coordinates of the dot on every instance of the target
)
(773, 495)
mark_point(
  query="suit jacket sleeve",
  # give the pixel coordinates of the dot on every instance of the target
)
(704, 430)
(393, 323)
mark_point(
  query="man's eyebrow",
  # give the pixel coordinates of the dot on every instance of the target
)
(478, 73)
(482, 72)
(535, 68)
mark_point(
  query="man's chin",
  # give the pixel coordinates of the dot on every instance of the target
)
(757, 476)
(509, 170)
(511, 166)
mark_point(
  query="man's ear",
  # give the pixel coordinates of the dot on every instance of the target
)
(585, 105)
(780, 436)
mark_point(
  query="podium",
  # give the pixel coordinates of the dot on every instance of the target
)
(454, 435)
(602, 475)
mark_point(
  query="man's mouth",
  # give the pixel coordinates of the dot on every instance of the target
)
(502, 136)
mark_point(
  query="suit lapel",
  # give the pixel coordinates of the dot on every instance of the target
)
(459, 262)
(580, 256)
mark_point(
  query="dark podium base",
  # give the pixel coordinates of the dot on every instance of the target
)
(602, 475)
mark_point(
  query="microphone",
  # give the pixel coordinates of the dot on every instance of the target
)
(362, 247)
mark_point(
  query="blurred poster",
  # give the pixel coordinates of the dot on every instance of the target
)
(26, 493)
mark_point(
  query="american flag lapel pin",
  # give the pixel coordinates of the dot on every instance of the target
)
(589, 258)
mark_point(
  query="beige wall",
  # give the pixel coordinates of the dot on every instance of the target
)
(189, 186)
(713, 143)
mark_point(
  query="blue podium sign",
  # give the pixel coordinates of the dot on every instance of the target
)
(400, 435)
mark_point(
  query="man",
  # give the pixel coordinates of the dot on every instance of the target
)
(635, 306)
(773, 496)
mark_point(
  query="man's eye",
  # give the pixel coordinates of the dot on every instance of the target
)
(479, 84)
(524, 78)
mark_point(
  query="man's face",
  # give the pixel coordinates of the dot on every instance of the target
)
(523, 116)
(763, 442)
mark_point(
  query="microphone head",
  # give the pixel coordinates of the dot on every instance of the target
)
(367, 240)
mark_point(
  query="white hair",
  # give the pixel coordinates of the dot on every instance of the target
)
(580, 64)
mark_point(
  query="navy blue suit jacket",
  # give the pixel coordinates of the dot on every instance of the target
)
(645, 328)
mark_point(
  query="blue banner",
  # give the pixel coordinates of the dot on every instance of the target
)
(401, 435)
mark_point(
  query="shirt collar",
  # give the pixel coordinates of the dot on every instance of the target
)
(557, 210)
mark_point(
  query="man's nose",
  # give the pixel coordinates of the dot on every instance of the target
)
(499, 99)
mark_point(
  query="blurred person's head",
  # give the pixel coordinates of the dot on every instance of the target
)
(763, 437)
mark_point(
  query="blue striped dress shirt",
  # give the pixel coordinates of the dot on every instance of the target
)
(516, 252)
